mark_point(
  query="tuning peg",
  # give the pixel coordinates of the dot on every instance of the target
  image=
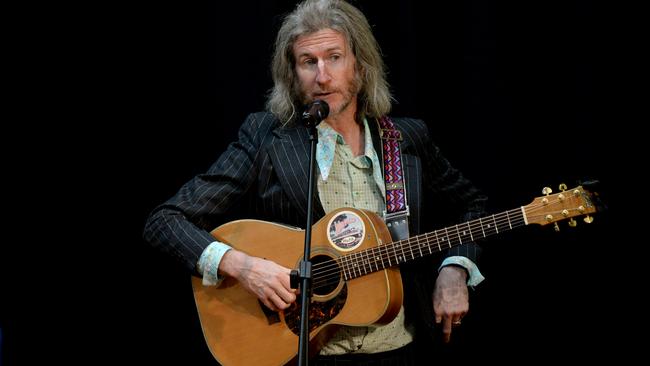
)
(573, 223)
(547, 190)
(562, 187)
(588, 219)
(556, 227)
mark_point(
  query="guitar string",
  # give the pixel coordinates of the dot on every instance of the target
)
(333, 277)
(333, 270)
(472, 226)
(399, 253)
(381, 253)
(333, 267)
(496, 219)
(386, 252)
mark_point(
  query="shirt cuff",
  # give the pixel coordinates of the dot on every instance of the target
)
(209, 263)
(474, 275)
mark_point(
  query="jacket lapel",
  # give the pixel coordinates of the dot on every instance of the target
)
(290, 157)
(289, 153)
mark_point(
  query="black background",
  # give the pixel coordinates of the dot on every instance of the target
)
(512, 91)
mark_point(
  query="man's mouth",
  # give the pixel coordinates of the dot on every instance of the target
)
(321, 95)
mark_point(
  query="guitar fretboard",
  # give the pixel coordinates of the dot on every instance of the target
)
(383, 256)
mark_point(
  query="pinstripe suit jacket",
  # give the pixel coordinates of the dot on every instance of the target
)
(263, 175)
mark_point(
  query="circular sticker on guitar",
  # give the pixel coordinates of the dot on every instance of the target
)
(345, 231)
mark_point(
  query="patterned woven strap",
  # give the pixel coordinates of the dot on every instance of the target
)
(393, 173)
(396, 207)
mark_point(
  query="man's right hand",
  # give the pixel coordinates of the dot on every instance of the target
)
(267, 280)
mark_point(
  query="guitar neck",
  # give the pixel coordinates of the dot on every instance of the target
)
(383, 256)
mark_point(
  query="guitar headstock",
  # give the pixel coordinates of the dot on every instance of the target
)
(564, 205)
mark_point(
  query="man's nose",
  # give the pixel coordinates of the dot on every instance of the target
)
(323, 75)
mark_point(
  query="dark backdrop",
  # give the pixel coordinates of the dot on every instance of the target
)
(512, 92)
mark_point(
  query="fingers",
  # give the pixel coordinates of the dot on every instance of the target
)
(278, 302)
(287, 293)
(448, 324)
(269, 304)
(446, 331)
(279, 295)
(276, 292)
(284, 295)
(277, 298)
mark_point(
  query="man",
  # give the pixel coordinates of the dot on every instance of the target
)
(325, 50)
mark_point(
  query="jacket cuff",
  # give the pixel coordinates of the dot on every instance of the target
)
(209, 263)
(474, 276)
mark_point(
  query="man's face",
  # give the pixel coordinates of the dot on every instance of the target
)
(325, 67)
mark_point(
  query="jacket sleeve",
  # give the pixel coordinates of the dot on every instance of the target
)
(447, 190)
(181, 226)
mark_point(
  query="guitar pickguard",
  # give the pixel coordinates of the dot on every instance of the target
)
(320, 312)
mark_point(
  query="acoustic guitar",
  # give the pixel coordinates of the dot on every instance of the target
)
(355, 274)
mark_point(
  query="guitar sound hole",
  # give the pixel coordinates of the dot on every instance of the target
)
(326, 279)
(326, 275)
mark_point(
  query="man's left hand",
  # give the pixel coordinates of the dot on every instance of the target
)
(450, 298)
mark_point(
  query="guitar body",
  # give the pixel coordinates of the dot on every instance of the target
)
(355, 279)
(240, 330)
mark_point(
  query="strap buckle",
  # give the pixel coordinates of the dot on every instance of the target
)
(396, 215)
(390, 134)
(395, 185)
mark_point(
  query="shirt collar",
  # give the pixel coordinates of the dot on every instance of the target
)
(327, 140)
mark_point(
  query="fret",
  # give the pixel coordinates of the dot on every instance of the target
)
(481, 223)
(460, 240)
(496, 227)
(360, 262)
(401, 247)
(469, 228)
(369, 260)
(447, 234)
(388, 255)
(419, 245)
(380, 256)
(364, 261)
(489, 227)
(437, 241)
(428, 241)
(395, 251)
(408, 242)
(504, 225)
(508, 217)
(376, 258)
(348, 267)
(355, 265)
(342, 266)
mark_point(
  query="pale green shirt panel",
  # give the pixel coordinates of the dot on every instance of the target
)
(350, 183)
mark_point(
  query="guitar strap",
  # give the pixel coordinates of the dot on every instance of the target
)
(397, 210)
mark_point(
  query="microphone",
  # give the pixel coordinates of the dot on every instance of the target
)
(315, 112)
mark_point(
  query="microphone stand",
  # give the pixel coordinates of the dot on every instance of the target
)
(304, 272)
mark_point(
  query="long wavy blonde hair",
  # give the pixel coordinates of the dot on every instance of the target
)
(374, 99)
